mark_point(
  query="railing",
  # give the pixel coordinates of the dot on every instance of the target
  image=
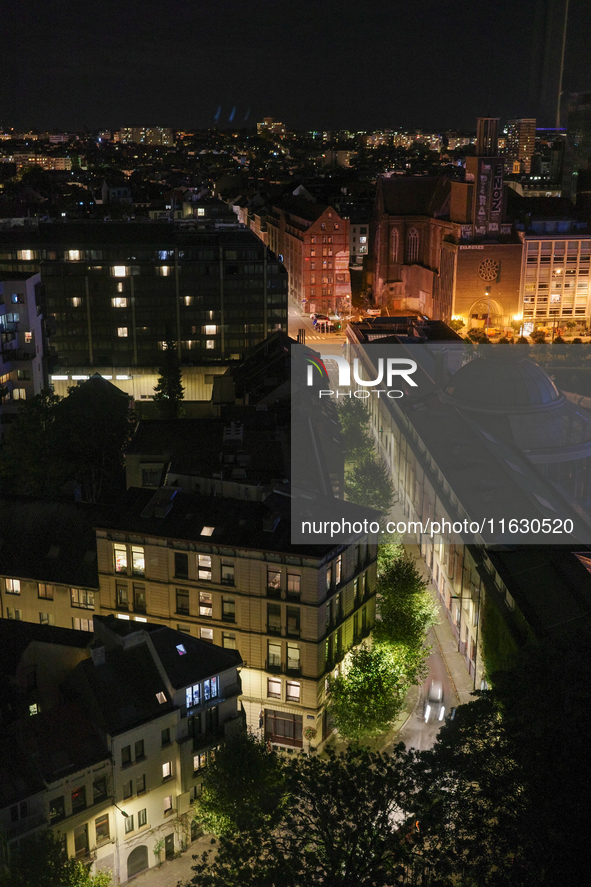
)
(273, 592)
(26, 825)
(273, 629)
(274, 666)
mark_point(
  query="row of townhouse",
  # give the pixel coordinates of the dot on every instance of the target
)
(220, 570)
(114, 770)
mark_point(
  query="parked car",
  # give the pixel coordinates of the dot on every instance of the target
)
(316, 317)
(434, 709)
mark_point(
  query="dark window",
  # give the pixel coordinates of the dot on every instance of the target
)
(227, 574)
(181, 565)
(99, 789)
(228, 609)
(293, 621)
(281, 726)
(122, 598)
(182, 601)
(166, 736)
(142, 817)
(274, 618)
(139, 598)
(126, 756)
(127, 789)
(78, 799)
(81, 840)
(57, 809)
(139, 750)
(141, 784)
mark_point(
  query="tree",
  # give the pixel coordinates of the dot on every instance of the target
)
(457, 324)
(367, 698)
(169, 391)
(242, 788)
(340, 828)
(42, 861)
(30, 462)
(357, 442)
(406, 610)
(369, 484)
(93, 424)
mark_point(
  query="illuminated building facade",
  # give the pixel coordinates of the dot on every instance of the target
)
(22, 366)
(520, 143)
(145, 135)
(445, 248)
(313, 242)
(555, 280)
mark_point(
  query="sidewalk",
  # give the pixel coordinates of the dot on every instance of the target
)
(448, 645)
(174, 871)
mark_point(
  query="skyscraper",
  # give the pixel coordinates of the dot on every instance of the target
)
(521, 138)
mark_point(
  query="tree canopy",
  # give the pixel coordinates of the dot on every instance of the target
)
(169, 391)
(42, 861)
(340, 826)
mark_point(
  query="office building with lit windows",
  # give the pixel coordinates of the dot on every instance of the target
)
(116, 293)
(520, 144)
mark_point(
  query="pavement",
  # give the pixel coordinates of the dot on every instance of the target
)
(173, 872)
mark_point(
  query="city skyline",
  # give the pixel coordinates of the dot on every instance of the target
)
(343, 67)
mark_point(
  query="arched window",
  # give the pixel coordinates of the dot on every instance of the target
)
(394, 245)
(412, 246)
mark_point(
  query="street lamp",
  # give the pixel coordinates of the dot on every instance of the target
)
(123, 813)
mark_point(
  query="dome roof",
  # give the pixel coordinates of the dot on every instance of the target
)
(502, 382)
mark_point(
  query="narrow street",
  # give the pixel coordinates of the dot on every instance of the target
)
(296, 321)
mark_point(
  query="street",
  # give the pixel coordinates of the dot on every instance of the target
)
(296, 321)
(416, 733)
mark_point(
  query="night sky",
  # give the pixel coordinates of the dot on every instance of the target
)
(310, 63)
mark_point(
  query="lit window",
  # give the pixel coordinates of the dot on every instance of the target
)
(167, 770)
(142, 818)
(74, 255)
(76, 302)
(210, 689)
(229, 641)
(25, 255)
(210, 343)
(45, 591)
(122, 332)
(161, 697)
(199, 762)
(82, 624)
(200, 211)
(119, 271)
(34, 709)
(293, 584)
(204, 568)
(119, 302)
(13, 586)
(82, 598)
(120, 558)
(181, 649)
(211, 330)
(274, 688)
(339, 566)
(168, 804)
(164, 270)
(188, 300)
(129, 824)
(137, 560)
(193, 695)
(119, 287)
(206, 634)
(292, 691)
(207, 531)
(28, 338)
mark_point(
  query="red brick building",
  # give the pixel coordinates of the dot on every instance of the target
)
(313, 243)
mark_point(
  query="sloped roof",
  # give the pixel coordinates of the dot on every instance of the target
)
(414, 195)
(16, 635)
(48, 541)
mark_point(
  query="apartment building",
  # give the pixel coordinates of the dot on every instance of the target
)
(145, 135)
(313, 243)
(115, 768)
(22, 364)
(225, 571)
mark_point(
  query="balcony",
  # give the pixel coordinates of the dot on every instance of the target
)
(275, 666)
(293, 671)
(273, 592)
(273, 628)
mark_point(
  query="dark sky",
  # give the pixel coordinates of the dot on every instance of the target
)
(359, 64)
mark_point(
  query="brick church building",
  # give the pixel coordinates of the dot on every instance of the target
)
(445, 248)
